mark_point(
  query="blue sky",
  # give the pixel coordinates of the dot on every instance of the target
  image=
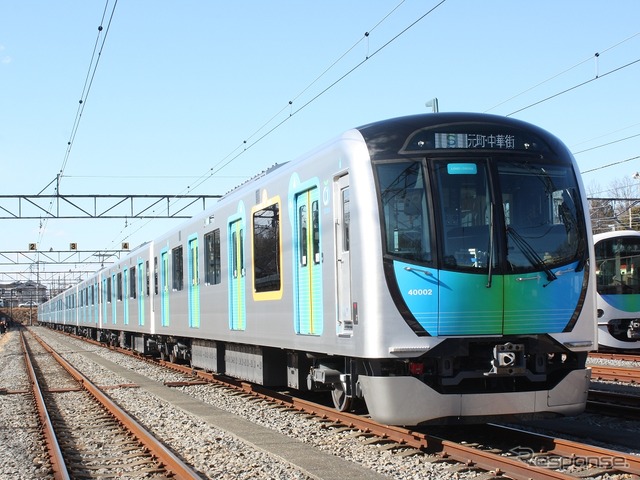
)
(181, 86)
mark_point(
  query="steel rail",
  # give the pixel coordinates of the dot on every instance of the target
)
(616, 356)
(591, 454)
(501, 465)
(615, 374)
(58, 463)
(165, 456)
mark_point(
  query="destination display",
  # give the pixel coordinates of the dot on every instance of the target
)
(475, 140)
(468, 139)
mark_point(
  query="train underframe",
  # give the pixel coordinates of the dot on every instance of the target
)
(454, 370)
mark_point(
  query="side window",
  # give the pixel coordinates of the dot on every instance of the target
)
(155, 275)
(177, 262)
(146, 271)
(315, 231)
(302, 221)
(304, 236)
(212, 256)
(346, 219)
(132, 282)
(119, 287)
(266, 249)
(109, 290)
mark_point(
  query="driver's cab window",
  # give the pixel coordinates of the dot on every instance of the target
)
(404, 206)
(465, 209)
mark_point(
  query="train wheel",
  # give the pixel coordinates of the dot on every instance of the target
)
(340, 399)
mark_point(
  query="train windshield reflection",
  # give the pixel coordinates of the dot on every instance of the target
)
(618, 265)
(536, 229)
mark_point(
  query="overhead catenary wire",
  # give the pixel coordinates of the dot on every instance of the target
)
(246, 145)
(98, 47)
(91, 73)
(260, 133)
(607, 144)
(582, 84)
(610, 165)
(594, 57)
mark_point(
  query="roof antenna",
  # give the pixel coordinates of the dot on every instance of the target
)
(433, 103)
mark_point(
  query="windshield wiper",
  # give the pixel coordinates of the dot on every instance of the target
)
(531, 255)
(490, 263)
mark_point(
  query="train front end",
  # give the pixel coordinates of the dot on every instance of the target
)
(485, 250)
(617, 257)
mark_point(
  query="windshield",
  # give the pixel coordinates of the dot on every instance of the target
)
(404, 206)
(465, 213)
(491, 215)
(618, 265)
(540, 206)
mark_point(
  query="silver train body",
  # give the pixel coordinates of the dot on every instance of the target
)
(433, 267)
(618, 285)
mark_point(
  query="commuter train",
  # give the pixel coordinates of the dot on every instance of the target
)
(432, 268)
(617, 257)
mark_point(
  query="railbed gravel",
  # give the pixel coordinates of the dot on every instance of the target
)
(23, 454)
(162, 418)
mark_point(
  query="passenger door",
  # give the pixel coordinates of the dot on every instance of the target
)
(343, 256)
(193, 287)
(237, 313)
(164, 287)
(308, 261)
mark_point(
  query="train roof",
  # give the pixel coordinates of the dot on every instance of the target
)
(615, 234)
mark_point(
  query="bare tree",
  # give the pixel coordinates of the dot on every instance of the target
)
(617, 208)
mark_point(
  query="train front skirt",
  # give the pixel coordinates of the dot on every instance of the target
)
(405, 400)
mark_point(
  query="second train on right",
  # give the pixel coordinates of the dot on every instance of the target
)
(618, 286)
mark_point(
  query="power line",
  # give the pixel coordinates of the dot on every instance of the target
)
(597, 77)
(605, 134)
(610, 165)
(91, 73)
(595, 57)
(245, 145)
(606, 144)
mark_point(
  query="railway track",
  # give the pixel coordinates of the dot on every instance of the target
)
(625, 357)
(615, 374)
(619, 404)
(102, 440)
(494, 450)
(525, 455)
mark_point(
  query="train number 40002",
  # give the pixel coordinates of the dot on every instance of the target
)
(420, 291)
